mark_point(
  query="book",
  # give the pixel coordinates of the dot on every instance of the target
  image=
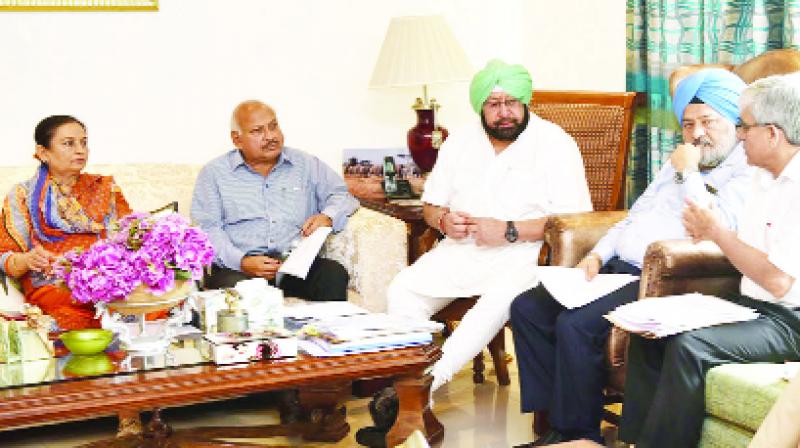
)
(658, 317)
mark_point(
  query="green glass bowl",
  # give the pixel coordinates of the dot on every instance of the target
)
(88, 365)
(90, 341)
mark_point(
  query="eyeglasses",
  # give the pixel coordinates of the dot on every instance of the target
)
(510, 103)
(744, 127)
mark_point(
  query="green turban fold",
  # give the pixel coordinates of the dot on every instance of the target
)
(513, 79)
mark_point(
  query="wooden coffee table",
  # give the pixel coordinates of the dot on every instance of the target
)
(323, 385)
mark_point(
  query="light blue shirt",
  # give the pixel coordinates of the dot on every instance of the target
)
(244, 212)
(656, 215)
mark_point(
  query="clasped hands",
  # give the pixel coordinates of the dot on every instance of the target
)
(37, 259)
(267, 267)
(485, 231)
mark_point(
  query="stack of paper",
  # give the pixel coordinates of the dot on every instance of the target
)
(369, 332)
(664, 316)
(296, 316)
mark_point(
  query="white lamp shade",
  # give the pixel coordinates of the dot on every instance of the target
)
(417, 51)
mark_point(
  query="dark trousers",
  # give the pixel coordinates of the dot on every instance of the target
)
(326, 280)
(561, 354)
(665, 384)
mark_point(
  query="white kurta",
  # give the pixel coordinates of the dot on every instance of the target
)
(541, 173)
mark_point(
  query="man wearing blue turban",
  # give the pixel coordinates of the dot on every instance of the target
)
(489, 194)
(665, 382)
(560, 351)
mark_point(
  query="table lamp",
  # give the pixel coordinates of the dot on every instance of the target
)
(417, 51)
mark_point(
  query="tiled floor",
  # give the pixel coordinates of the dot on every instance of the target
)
(480, 416)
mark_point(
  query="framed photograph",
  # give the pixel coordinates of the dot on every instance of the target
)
(378, 173)
(78, 5)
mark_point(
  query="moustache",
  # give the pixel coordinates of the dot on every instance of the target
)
(499, 123)
(269, 143)
(704, 142)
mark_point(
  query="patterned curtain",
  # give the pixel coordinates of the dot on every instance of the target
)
(665, 34)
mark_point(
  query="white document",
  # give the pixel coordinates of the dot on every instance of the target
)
(570, 288)
(664, 316)
(299, 261)
(322, 310)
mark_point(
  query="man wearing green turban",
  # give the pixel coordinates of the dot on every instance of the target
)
(489, 194)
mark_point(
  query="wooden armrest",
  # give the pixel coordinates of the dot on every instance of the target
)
(571, 236)
(680, 266)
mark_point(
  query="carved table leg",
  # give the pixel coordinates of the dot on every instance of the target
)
(130, 424)
(324, 412)
(415, 412)
(157, 428)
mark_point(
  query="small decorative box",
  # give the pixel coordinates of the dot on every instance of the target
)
(230, 348)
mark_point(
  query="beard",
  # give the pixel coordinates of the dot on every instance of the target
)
(713, 153)
(506, 134)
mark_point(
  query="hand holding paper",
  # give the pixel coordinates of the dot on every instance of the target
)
(299, 261)
(570, 287)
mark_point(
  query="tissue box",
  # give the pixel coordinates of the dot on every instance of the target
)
(228, 348)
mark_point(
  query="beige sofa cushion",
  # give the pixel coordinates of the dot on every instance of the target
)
(146, 186)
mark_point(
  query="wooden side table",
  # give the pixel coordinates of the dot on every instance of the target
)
(421, 237)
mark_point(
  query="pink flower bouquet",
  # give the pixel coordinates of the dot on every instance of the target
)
(146, 250)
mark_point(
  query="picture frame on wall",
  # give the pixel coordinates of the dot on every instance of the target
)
(381, 173)
(78, 5)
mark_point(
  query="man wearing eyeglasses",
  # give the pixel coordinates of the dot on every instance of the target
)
(664, 390)
(560, 351)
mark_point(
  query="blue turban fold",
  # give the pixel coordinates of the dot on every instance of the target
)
(718, 88)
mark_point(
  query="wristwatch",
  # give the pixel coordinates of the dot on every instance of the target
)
(511, 232)
(680, 177)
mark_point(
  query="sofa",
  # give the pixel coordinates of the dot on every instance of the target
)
(738, 396)
(372, 246)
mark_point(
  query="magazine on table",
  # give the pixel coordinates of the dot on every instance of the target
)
(369, 332)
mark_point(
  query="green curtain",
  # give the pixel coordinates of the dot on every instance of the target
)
(665, 34)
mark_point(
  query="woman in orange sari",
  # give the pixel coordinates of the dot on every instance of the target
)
(60, 208)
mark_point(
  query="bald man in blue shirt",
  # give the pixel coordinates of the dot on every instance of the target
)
(256, 200)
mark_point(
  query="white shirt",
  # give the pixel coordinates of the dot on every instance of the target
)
(656, 215)
(539, 174)
(771, 224)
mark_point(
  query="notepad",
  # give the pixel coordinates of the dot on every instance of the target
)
(571, 289)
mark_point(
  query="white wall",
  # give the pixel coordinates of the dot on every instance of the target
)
(159, 87)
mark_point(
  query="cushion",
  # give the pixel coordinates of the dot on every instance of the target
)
(743, 393)
(11, 299)
(721, 434)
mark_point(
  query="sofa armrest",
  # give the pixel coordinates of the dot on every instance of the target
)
(11, 299)
(570, 237)
(680, 266)
(373, 248)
